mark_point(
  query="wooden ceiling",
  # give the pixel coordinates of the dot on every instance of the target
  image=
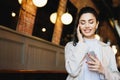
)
(115, 3)
(81, 3)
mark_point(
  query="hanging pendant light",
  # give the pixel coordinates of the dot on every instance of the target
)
(114, 48)
(19, 1)
(53, 17)
(66, 18)
(97, 37)
(40, 3)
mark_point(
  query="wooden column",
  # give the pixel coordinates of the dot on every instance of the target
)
(58, 25)
(26, 17)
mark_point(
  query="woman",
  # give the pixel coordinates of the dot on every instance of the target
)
(87, 58)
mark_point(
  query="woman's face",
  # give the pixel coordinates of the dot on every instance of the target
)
(88, 25)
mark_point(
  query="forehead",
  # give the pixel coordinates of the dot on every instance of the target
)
(87, 16)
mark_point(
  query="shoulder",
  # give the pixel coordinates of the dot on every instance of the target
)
(103, 44)
(106, 47)
(69, 44)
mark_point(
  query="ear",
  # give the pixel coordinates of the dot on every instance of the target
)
(97, 24)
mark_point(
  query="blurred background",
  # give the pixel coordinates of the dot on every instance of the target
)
(53, 21)
(108, 9)
(9, 15)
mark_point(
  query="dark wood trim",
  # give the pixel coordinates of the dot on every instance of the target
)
(32, 71)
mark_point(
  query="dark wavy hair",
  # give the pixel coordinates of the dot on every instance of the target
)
(82, 11)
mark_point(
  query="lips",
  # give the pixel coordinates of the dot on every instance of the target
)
(87, 30)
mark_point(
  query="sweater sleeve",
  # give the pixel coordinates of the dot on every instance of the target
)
(111, 71)
(74, 56)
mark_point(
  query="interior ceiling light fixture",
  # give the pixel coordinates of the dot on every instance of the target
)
(97, 37)
(19, 1)
(114, 49)
(53, 17)
(66, 18)
(40, 3)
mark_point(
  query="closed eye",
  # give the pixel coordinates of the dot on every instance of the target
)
(82, 22)
(91, 21)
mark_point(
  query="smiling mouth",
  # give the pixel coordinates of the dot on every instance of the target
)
(87, 31)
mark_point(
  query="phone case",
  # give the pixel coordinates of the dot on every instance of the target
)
(91, 53)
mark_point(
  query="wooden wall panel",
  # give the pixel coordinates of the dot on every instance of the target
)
(11, 53)
(23, 52)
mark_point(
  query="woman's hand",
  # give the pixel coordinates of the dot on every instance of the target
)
(95, 65)
(79, 35)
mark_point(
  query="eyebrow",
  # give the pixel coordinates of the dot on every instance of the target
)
(84, 20)
(81, 20)
(91, 19)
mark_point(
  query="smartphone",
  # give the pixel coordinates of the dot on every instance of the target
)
(90, 53)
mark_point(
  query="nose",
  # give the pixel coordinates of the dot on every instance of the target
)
(87, 25)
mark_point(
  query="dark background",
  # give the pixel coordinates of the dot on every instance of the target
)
(107, 11)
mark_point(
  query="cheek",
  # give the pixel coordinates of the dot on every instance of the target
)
(81, 29)
(81, 26)
(94, 26)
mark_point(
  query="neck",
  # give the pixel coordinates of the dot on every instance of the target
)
(90, 37)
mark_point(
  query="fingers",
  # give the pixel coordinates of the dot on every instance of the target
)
(94, 64)
(93, 68)
(94, 60)
(79, 35)
(93, 57)
(78, 30)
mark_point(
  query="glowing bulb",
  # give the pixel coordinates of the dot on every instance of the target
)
(13, 14)
(53, 17)
(114, 49)
(40, 3)
(20, 1)
(43, 29)
(97, 37)
(66, 18)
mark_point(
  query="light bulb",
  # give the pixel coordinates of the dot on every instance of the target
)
(40, 3)
(53, 17)
(66, 18)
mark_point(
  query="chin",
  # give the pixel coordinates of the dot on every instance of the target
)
(88, 35)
